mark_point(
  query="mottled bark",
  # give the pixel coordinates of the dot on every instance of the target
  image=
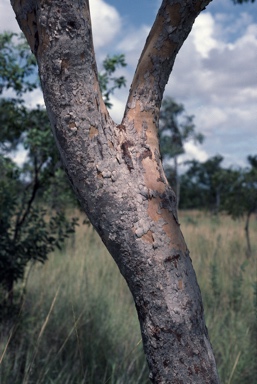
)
(117, 174)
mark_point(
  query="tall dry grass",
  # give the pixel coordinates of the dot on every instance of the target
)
(78, 323)
(228, 281)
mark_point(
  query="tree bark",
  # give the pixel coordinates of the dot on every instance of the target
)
(117, 174)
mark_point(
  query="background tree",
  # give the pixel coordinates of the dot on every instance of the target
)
(175, 129)
(28, 231)
(34, 196)
(139, 226)
(241, 199)
(109, 83)
(218, 189)
(17, 64)
(207, 181)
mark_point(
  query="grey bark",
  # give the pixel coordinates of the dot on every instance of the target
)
(117, 174)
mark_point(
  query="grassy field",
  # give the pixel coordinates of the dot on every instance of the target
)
(78, 323)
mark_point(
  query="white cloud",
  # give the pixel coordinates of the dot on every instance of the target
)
(19, 156)
(106, 22)
(202, 34)
(117, 109)
(194, 152)
(217, 82)
(7, 17)
(210, 116)
(34, 98)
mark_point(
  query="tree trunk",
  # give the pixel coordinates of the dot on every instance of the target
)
(10, 284)
(177, 181)
(117, 174)
(217, 200)
(247, 235)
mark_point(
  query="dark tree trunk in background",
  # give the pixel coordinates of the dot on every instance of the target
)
(117, 174)
(177, 181)
(247, 234)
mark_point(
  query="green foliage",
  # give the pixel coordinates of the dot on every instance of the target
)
(28, 232)
(108, 82)
(242, 196)
(12, 116)
(17, 64)
(241, 199)
(35, 196)
(175, 129)
(234, 191)
(204, 184)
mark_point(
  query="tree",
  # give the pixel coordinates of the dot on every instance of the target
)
(28, 230)
(231, 190)
(110, 64)
(208, 182)
(175, 129)
(241, 199)
(139, 224)
(26, 235)
(17, 64)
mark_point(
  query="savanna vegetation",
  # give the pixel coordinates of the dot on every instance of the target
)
(78, 324)
(72, 319)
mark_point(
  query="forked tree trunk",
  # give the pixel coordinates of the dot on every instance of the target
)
(117, 174)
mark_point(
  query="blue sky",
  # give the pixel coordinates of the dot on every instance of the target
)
(214, 76)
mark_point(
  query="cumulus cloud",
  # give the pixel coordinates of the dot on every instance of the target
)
(202, 34)
(194, 152)
(106, 22)
(216, 80)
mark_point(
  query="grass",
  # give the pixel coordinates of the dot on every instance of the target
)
(78, 323)
(228, 284)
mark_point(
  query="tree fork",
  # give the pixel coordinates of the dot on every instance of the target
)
(118, 177)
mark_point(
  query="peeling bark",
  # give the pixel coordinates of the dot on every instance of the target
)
(117, 174)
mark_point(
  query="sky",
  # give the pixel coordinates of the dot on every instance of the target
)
(214, 76)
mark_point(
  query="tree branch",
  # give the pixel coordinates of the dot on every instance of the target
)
(172, 25)
(36, 185)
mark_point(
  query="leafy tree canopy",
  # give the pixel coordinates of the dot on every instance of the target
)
(17, 64)
(175, 129)
(33, 196)
(108, 82)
